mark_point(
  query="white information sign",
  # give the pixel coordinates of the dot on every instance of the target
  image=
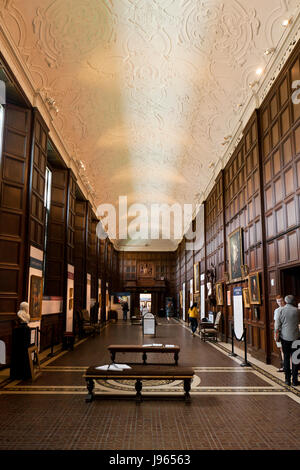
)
(191, 293)
(238, 316)
(148, 324)
(202, 292)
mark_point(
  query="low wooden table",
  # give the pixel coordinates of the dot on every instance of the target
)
(140, 373)
(114, 348)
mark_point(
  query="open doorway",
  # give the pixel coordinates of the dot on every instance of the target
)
(145, 303)
(290, 282)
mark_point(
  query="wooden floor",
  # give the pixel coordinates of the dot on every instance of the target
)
(232, 407)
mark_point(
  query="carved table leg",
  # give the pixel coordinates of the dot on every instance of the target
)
(90, 387)
(112, 355)
(138, 387)
(187, 388)
(176, 357)
(144, 357)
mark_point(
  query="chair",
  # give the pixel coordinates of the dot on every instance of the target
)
(207, 331)
(84, 323)
(95, 322)
(136, 319)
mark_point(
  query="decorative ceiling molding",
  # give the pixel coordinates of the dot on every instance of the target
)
(152, 96)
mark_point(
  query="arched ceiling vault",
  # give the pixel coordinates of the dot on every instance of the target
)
(148, 95)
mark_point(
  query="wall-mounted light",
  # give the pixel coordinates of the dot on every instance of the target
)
(81, 165)
(52, 104)
(226, 140)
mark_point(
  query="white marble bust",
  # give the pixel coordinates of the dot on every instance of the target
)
(23, 313)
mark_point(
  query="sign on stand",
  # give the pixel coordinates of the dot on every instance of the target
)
(238, 316)
(149, 324)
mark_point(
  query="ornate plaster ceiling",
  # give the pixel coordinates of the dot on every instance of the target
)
(148, 94)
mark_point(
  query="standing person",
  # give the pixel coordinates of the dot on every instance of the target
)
(168, 311)
(280, 302)
(287, 328)
(125, 310)
(193, 317)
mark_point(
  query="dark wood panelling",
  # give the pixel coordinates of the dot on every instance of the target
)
(55, 253)
(13, 197)
(80, 254)
(280, 128)
(71, 218)
(160, 284)
(52, 328)
(37, 183)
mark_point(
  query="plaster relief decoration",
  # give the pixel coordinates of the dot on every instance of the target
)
(152, 95)
(68, 30)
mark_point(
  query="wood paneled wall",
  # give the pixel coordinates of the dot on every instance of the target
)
(56, 237)
(80, 255)
(13, 216)
(259, 191)
(280, 131)
(161, 284)
(71, 217)
(37, 183)
(13, 206)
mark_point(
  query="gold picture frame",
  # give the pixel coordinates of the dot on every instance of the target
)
(196, 278)
(246, 297)
(146, 270)
(235, 250)
(35, 297)
(219, 293)
(33, 350)
(254, 289)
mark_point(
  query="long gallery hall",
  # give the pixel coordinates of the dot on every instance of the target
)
(149, 228)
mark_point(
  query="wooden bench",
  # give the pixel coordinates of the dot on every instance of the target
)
(140, 373)
(124, 348)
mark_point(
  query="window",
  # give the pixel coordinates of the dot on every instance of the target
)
(47, 204)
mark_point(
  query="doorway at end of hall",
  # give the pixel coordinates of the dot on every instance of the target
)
(145, 303)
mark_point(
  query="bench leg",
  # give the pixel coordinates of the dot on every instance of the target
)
(90, 387)
(144, 357)
(187, 388)
(138, 387)
(113, 355)
(176, 356)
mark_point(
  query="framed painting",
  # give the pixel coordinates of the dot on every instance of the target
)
(146, 270)
(219, 293)
(35, 297)
(33, 357)
(196, 278)
(254, 289)
(246, 297)
(235, 247)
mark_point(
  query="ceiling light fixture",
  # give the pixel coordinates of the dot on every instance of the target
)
(287, 22)
(253, 84)
(269, 51)
(259, 71)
